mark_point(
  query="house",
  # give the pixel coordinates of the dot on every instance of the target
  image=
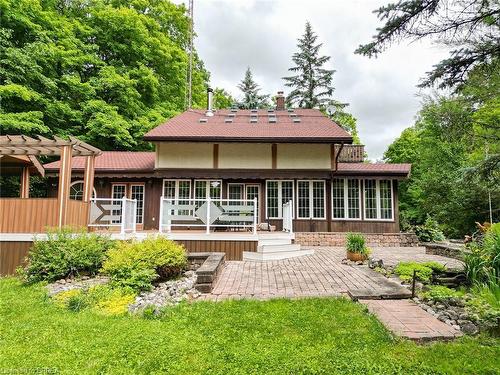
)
(270, 157)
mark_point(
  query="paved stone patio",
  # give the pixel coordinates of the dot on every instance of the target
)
(404, 318)
(321, 275)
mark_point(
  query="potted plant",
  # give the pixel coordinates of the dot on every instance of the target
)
(356, 247)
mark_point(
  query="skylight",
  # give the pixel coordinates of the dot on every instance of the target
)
(203, 120)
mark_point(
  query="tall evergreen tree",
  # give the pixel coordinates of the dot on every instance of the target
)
(312, 84)
(250, 88)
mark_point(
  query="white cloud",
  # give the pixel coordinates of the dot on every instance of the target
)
(263, 34)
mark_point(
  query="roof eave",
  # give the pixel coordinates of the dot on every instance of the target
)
(157, 138)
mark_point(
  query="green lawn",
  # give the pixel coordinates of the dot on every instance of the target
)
(280, 336)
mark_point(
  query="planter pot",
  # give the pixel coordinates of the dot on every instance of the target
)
(355, 257)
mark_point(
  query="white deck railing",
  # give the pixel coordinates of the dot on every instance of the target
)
(288, 217)
(109, 212)
(208, 213)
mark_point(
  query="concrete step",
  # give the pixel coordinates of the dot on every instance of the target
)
(277, 248)
(260, 257)
(275, 241)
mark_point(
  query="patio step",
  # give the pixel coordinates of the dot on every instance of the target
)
(276, 248)
(275, 241)
(250, 255)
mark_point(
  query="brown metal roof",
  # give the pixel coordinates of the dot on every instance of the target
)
(114, 161)
(301, 125)
(129, 161)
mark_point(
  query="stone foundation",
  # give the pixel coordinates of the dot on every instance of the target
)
(449, 250)
(337, 239)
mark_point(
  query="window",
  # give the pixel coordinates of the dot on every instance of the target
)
(177, 190)
(204, 189)
(137, 193)
(385, 187)
(311, 199)
(346, 198)
(378, 200)
(118, 191)
(277, 194)
(76, 191)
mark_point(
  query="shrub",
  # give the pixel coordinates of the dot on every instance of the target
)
(137, 264)
(424, 271)
(441, 293)
(355, 243)
(429, 231)
(100, 298)
(64, 254)
(482, 262)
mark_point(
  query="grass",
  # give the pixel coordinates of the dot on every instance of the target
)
(280, 336)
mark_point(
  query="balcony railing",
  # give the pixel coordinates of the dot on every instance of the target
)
(351, 154)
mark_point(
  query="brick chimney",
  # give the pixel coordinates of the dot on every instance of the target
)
(280, 101)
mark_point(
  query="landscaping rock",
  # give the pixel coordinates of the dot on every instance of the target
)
(167, 293)
(470, 328)
(374, 263)
(85, 282)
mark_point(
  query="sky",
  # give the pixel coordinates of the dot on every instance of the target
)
(262, 35)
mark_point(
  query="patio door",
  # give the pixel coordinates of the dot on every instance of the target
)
(245, 191)
(131, 191)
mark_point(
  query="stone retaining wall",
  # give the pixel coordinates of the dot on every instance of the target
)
(337, 239)
(450, 250)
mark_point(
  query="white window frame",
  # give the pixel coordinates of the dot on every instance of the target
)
(143, 200)
(207, 188)
(346, 200)
(94, 194)
(280, 198)
(378, 200)
(176, 192)
(311, 200)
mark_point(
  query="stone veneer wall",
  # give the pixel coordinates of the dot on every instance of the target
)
(372, 239)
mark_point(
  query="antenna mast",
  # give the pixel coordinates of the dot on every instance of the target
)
(190, 69)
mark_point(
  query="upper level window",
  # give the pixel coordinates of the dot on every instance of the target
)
(278, 192)
(378, 199)
(311, 199)
(346, 198)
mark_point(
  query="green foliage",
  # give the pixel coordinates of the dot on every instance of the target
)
(308, 336)
(251, 97)
(355, 243)
(222, 99)
(346, 120)
(440, 293)
(447, 148)
(65, 254)
(137, 264)
(312, 83)
(482, 261)
(429, 231)
(105, 71)
(424, 271)
(470, 26)
(101, 299)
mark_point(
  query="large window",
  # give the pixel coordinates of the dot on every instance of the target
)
(176, 189)
(277, 194)
(346, 198)
(76, 191)
(137, 193)
(118, 191)
(204, 189)
(378, 200)
(311, 199)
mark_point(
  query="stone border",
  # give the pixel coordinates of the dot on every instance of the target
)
(448, 250)
(337, 239)
(210, 266)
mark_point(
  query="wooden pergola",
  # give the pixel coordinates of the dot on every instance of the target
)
(23, 151)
